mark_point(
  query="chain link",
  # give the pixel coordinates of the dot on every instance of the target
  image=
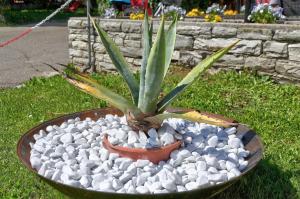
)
(36, 26)
(53, 14)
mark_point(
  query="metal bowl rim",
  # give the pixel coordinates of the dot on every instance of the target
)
(73, 115)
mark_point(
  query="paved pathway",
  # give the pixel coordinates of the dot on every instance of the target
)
(26, 58)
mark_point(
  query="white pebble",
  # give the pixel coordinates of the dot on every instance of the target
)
(167, 139)
(191, 185)
(142, 189)
(142, 163)
(66, 138)
(234, 143)
(85, 181)
(213, 141)
(132, 137)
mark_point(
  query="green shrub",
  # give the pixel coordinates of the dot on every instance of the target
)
(102, 5)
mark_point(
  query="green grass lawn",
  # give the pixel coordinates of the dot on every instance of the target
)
(19, 17)
(272, 110)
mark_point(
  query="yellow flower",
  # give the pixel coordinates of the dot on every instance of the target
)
(218, 18)
(136, 16)
(195, 12)
(230, 12)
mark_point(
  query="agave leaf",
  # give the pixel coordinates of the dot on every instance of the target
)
(91, 87)
(170, 44)
(154, 72)
(192, 76)
(119, 61)
(194, 116)
(147, 48)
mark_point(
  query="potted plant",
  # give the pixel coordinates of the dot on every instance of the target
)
(99, 153)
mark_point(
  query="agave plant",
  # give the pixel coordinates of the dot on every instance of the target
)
(147, 109)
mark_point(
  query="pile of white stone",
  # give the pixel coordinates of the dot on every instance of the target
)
(72, 153)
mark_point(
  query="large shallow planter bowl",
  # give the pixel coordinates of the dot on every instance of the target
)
(251, 141)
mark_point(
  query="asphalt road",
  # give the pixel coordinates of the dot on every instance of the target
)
(27, 57)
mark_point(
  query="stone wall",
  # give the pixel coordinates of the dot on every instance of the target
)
(268, 49)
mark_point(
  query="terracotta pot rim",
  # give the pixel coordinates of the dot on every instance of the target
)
(139, 150)
(23, 146)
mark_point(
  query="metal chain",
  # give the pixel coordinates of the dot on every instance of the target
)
(53, 14)
(22, 34)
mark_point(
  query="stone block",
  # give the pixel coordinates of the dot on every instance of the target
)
(77, 23)
(193, 30)
(221, 31)
(129, 60)
(235, 61)
(275, 49)
(78, 53)
(260, 64)
(184, 42)
(254, 33)
(288, 68)
(79, 45)
(132, 43)
(176, 55)
(287, 35)
(111, 26)
(78, 31)
(131, 52)
(99, 48)
(80, 61)
(117, 34)
(118, 38)
(119, 41)
(294, 52)
(248, 47)
(137, 62)
(130, 27)
(212, 44)
(106, 58)
(106, 66)
(133, 36)
(99, 57)
(190, 58)
(78, 37)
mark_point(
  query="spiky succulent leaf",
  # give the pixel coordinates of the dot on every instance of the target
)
(92, 87)
(192, 76)
(119, 61)
(147, 47)
(170, 43)
(154, 72)
(194, 116)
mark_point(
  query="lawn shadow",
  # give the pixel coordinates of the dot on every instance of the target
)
(266, 181)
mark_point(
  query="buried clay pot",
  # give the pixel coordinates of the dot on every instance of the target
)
(250, 139)
(154, 155)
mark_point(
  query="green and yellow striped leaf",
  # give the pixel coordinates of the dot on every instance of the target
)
(119, 61)
(192, 76)
(194, 116)
(154, 73)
